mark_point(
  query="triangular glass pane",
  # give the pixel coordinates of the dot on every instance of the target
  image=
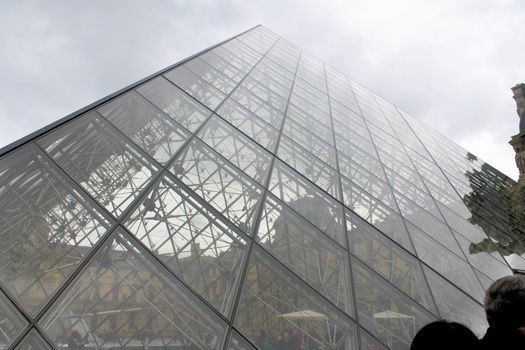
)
(237, 148)
(454, 305)
(310, 142)
(146, 125)
(100, 160)
(174, 102)
(191, 241)
(47, 227)
(319, 261)
(11, 322)
(219, 183)
(222, 65)
(274, 301)
(123, 299)
(321, 130)
(211, 75)
(310, 166)
(388, 259)
(376, 213)
(200, 89)
(249, 124)
(258, 107)
(391, 316)
(264, 93)
(446, 263)
(313, 204)
(271, 81)
(484, 262)
(34, 341)
(368, 342)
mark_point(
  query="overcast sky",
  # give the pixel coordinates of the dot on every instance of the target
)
(449, 63)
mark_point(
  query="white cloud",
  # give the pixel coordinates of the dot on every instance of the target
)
(448, 63)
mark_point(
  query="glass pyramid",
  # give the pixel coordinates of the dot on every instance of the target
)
(250, 196)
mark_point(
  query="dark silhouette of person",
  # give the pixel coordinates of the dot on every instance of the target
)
(444, 335)
(505, 310)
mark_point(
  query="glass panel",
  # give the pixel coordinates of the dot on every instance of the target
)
(191, 241)
(306, 251)
(368, 342)
(390, 316)
(310, 142)
(269, 81)
(249, 124)
(211, 75)
(314, 205)
(486, 263)
(276, 302)
(239, 343)
(429, 224)
(373, 186)
(357, 160)
(145, 125)
(255, 105)
(376, 213)
(175, 103)
(124, 300)
(243, 52)
(237, 148)
(222, 65)
(47, 227)
(220, 184)
(454, 305)
(11, 322)
(195, 86)
(34, 341)
(313, 168)
(100, 160)
(310, 123)
(446, 263)
(388, 259)
(226, 52)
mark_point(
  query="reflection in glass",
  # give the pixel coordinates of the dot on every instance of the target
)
(313, 204)
(192, 242)
(275, 302)
(383, 311)
(47, 227)
(376, 213)
(388, 259)
(124, 300)
(446, 263)
(100, 160)
(455, 305)
(306, 251)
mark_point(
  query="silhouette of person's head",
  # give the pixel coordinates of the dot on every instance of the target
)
(505, 302)
(444, 335)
